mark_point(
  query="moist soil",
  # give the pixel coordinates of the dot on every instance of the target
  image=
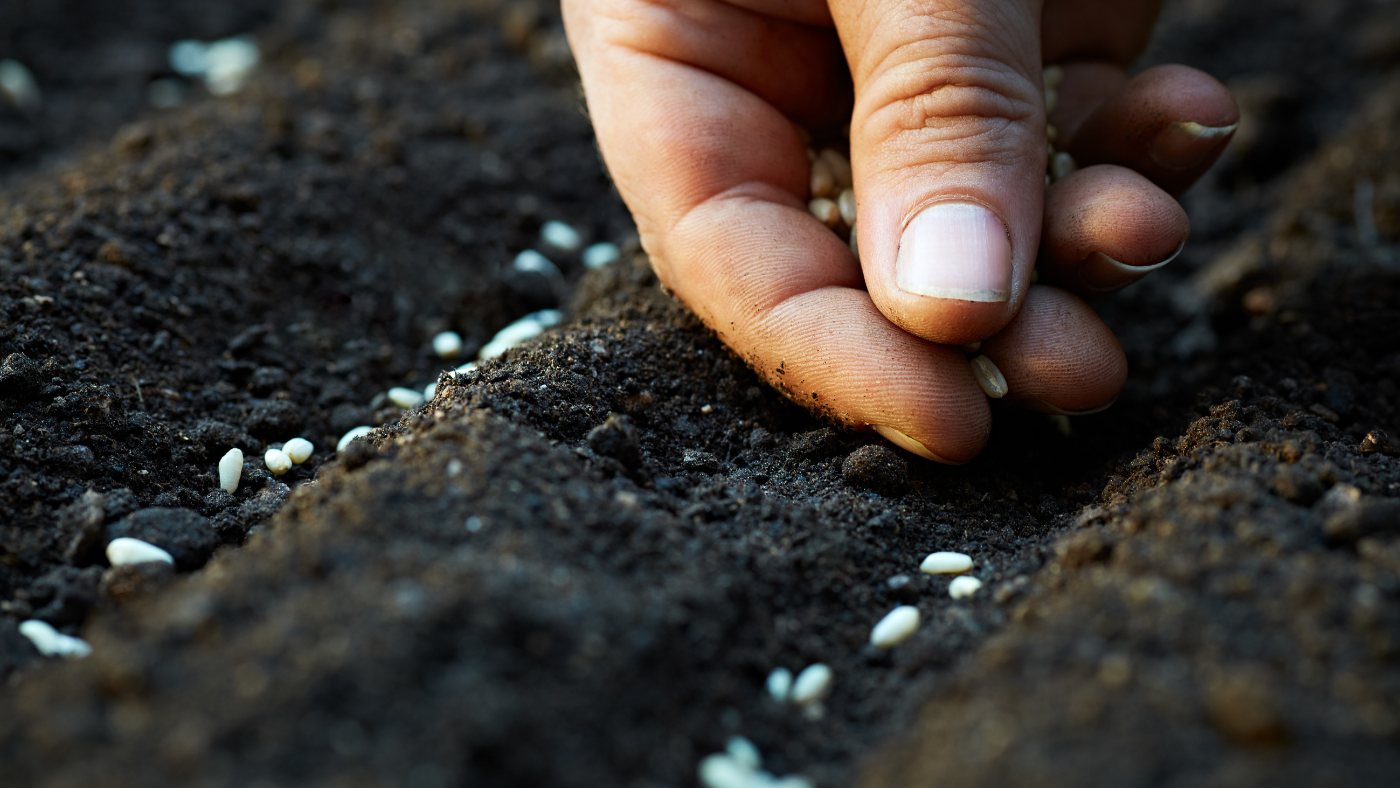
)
(578, 565)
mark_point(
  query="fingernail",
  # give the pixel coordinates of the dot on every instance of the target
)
(1183, 143)
(955, 250)
(1102, 274)
(909, 444)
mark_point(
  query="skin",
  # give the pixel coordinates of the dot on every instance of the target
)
(694, 104)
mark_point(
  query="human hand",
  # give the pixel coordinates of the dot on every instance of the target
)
(694, 103)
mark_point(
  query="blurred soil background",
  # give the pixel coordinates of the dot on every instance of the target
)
(578, 566)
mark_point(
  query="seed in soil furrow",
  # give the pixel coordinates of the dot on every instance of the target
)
(812, 684)
(946, 563)
(231, 470)
(779, 684)
(991, 380)
(601, 254)
(405, 398)
(277, 461)
(963, 587)
(895, 627)
(298, 449)
(352, 435)
(124, 551)
(447, 345)
(527, 327)
(561, 236)
(51, 642)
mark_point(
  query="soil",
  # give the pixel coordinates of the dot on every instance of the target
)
(579, 565)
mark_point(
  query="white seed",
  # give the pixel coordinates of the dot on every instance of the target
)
(1062, 424)
(405, 398)
(1052, 75)
(946, 563)
(812, 684)
(779, 684)
(1062, 165)
(895, 627)
(722, 771)
(17, 85)
(840, 167)
(351, 435)
(823, 182)
(825, 210)
(599, 255)
(532, 262)
(527, 327)
(124, 550)
(467, 368)
(846, 203)
(744, 751)
(430, 390)
(963, 586)
(855, 247)
(298, 449)
(561, 236)
(231, 470)
(991, 380)
(228, 64)
(448, 344)
(51, 642)
(277, 461)
(791, 781)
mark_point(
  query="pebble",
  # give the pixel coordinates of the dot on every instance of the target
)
(779, 684)
(51, 642)
(277, 461)
(124, 551)
(991, 380)
(526, 328)
(231, 470)
(963, 586)
(298, 449)
(812, 684)
(405, 398)
(447, 345)
(599, 255)
(18, 86)
(896, 627)
(352, 435)
(561, 236)
(946, 563)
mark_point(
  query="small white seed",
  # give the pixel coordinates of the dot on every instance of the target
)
(124, 551)
(599, 255)
(277, 461)
(430, 390)
(846, 203)
(991, 380)
(1052, 99)
(963, 586)
(561, 236)
(448, 344)
(946, 563)
(895, 627)
(467, 368)
(51, 642)
(231, 470)
(779, 684)
(298, 449)
(532, 262)
(812, 684)
(527, 327)
(17, 86)
(825, 210)
(840, 167)
(350, 436)
(1062, 166)
(405, 398)
(722, 771)
(1052, 76)
(744, 753)
(823, 182)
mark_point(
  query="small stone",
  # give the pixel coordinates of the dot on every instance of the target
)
(963, 587)
(946, 563)
(447, 345)
(124, 551)
(875, 467)
(298, 449)
(561, 236)
(405, 398)
(779, 684)
(277, 461)
(617, 438)
(602, 254)
(231, 470)
(357, 432)
(701, 461)
(812, 684)
(895, 627)
(52, 643)
(1376, 441)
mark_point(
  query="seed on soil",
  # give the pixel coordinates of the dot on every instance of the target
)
(561, 236)
(744, 752)
(895, 627)
(124, 551)
(447, 345)
(51, 642)
(722, 771)
(352, 435)
(823, 181)
(527, 327)
(601, 254)
(963, 587)
(405, 398)
(946, 563)
(1062, 165)
(231, 470)
(846, 204)
(779, 684)
(825, 210)
(223, 65)
(430, 390)
(467, 368)
(532, 262)
(812, 684)
(18, 87)
(991, 380)
(277, 461)
(839, 165)
(298, 449)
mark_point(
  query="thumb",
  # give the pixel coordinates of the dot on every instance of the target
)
(948, 151)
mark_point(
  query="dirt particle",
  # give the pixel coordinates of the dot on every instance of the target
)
(616, 438)
(875, 467)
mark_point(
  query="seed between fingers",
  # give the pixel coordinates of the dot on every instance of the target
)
(991, 380)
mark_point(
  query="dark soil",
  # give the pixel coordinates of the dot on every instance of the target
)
(578, 566)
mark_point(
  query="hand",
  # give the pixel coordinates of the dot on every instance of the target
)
(694, 103)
